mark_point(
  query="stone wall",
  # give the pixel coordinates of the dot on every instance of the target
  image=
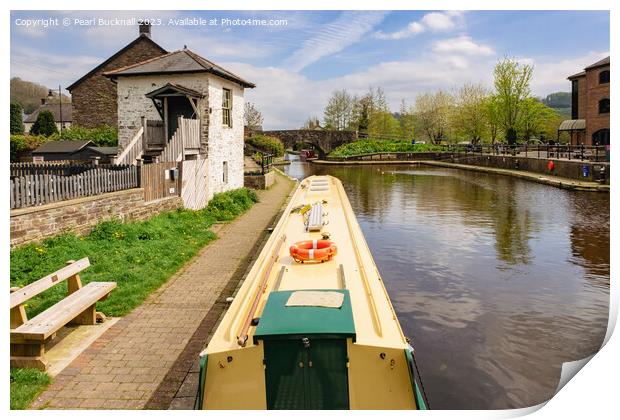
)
(259, 182)
(79, 216)
(562, 168)
(324, 140)
(225, 143)
(94, 99)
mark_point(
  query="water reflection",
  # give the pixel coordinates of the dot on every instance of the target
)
(498, 281)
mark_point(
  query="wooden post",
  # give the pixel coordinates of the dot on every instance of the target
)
(73, 283)
(145, 140)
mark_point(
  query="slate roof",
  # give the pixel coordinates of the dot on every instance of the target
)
(110, 151)
(119, 52)
(62, 146)
(603, 62)
(174, 87)
(574, 76)
(55, 110)
(181, 61)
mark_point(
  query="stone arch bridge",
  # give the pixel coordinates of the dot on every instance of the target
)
(323, 140)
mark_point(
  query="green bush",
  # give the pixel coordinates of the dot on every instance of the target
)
(267, 144)
(104, 135)
(44, 125)
(17, 123)
(21, 144)
(366, 146)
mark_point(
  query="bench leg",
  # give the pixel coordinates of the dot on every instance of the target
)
(28, 355)
(88, 317)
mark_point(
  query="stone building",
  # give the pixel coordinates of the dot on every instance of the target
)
(589, 123)
(61, 112)
(93, 96)
(154, 93)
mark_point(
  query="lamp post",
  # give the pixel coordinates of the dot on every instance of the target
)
(51, 95)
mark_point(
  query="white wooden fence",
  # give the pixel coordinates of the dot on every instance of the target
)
(39, 189)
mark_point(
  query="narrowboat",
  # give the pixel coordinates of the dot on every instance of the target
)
(312, 326)
(307, 154)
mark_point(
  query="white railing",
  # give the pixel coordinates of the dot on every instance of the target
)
(132, 151)
(187, 136)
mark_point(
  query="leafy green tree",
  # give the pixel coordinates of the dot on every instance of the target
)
(338, 114)
(406, 120)
(17, 123)
(44, 125)
(493, 117)
(469, 117)
(512, 87)
(533, 118)
(433, 112)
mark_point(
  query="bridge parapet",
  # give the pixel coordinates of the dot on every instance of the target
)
(324, 140)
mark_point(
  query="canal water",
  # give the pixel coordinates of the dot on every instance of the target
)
(496, 280)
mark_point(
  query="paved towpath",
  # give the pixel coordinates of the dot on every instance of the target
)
(149, 357)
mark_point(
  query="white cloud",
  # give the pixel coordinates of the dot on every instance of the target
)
(333, 37)
(462, 45)
(433, 22)
(287, 99)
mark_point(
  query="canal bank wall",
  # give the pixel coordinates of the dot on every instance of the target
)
(568, 174)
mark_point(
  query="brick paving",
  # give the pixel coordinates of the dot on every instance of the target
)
(149, 358)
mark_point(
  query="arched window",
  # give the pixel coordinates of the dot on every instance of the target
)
(601, 137)
(603, 106)
(603, 77)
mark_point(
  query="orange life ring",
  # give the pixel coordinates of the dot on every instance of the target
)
(313, 250)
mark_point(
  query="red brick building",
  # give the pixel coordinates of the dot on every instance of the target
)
(590, 105)
(93, 96)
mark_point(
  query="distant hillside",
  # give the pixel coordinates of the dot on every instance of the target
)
(560, 101)
(29, 94)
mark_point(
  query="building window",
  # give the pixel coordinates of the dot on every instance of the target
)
(603, 106)
(225, 172)
(227, 107)
(603, 77)
(575, 100)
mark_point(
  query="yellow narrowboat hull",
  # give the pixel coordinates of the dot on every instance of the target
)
(270, 353)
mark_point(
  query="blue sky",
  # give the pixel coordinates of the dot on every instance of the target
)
(298, 64)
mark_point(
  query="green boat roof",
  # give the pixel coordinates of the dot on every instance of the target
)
(281, 321)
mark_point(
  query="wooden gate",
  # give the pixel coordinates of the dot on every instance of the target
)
(194, 183)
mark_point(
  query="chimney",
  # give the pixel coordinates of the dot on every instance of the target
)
(42, 101)
(145, 29)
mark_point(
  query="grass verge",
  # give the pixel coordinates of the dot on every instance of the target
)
(26, 384)
(138, 256)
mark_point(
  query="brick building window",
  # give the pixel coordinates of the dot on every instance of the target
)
(603, 106)
(575, 100)
(227, 107)
(603, 77)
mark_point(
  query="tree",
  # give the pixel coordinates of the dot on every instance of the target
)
(512, 87)
(493, 116)
(433, 112)
(312, 123)
(252, 118)
(44, 125)
(407, 120)
(533, 118)
(17, 123)
(469, 116)
(338, 114)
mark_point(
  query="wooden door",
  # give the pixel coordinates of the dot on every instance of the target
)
(194, 186)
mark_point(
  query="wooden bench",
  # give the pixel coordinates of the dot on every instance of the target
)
(28, 337)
